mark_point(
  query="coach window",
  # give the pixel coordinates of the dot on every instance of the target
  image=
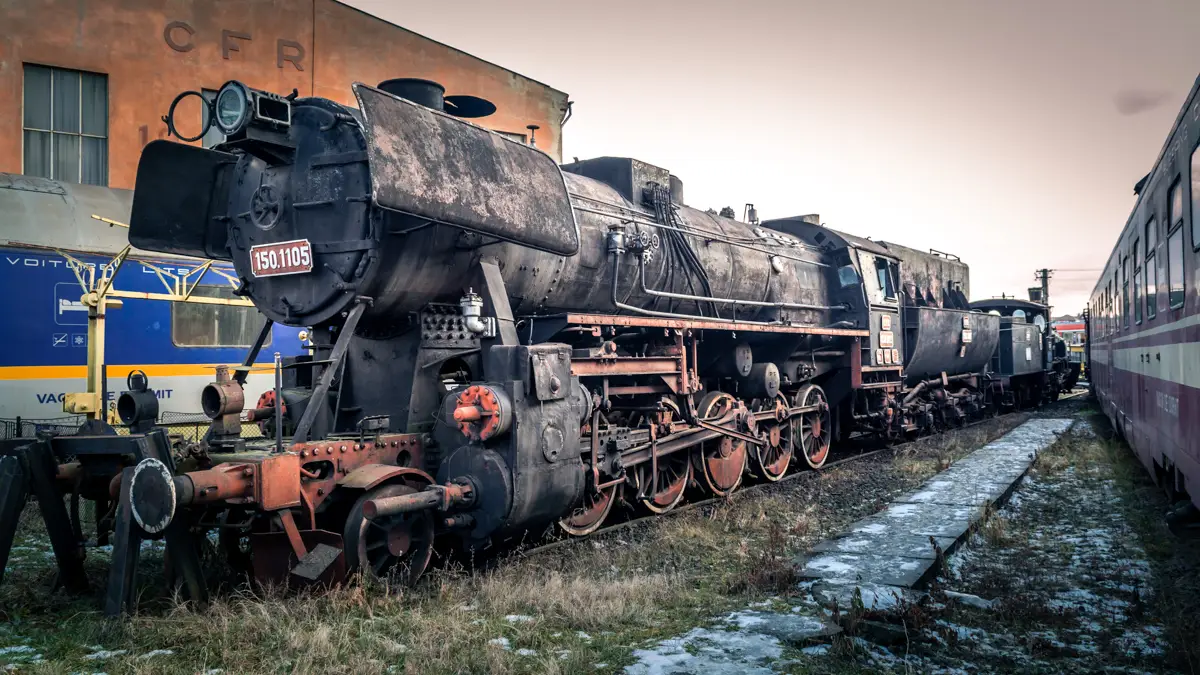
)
(197, 325)
(1195, 187)
(1137, 284)
(1175, 271)
(1125, 290)
(1116, 296)
(1151, 269)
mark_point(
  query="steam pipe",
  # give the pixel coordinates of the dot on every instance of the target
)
(732, 301)
(701, 233)
(924, 384)
(638, 216)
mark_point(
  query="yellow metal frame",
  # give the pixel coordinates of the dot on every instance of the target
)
(99, 295)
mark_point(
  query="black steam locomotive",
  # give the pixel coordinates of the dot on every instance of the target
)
(500, 343)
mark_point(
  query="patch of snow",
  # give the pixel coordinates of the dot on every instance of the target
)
(829, 564)
(518, 618)
(716, 652)
(903, 510)
(582, 635)
(501, 642)
(156, 652)
(746, 620)
(970, 600)
(18, 649)
(815, 650)
(105, 654)
(527, 652)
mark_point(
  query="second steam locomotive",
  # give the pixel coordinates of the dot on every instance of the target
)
(499, 344)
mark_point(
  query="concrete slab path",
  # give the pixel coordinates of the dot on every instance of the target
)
(895, 546)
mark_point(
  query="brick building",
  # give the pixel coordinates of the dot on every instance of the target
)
(84, 83)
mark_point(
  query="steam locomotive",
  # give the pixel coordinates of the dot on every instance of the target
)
(500, 344)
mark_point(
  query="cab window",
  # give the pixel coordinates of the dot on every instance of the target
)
(885, 271)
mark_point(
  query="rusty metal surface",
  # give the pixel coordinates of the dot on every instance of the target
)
(625, 366)
(370, 475)
(277, 482)
(274, 557)
(701, 324)
(232, 480)
(435, 166)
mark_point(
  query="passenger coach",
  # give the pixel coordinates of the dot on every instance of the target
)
(1143, 328)
(44, 351)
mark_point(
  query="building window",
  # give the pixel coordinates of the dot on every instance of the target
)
(197, 325)
(1151, 269)
(66, 125)
(1137, 284)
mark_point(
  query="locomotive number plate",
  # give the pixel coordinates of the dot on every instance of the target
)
(885, 338)
(285, 257)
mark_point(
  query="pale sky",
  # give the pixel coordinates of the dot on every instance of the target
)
(1008, 132)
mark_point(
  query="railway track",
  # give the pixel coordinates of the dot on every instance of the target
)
(758, 487)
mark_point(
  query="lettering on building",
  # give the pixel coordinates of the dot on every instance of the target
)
(181, 37)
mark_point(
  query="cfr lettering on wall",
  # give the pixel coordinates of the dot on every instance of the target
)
(180, 36)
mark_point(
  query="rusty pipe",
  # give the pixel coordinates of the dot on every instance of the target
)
(390, 506)
(440, 497)
(259, 414)
(469, 413)
(224, 481)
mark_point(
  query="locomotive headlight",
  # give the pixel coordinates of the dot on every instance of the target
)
(232, 107)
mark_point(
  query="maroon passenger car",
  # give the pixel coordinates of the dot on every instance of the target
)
(1144, 318)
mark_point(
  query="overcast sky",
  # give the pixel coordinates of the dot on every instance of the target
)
(1009, 132)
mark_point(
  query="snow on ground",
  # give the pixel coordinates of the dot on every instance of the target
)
(1057, 581)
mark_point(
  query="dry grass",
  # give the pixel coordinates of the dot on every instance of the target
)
(590, 602)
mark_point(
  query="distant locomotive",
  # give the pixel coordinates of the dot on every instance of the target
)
(500, 344)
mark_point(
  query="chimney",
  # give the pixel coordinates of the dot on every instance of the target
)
(424, 92)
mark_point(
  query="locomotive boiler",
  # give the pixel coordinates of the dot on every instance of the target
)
(499, 344)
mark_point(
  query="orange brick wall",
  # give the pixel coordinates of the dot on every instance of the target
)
(153, 49)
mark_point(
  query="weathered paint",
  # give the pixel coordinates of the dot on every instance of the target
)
(151, 50)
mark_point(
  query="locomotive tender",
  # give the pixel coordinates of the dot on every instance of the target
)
(500, 344)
